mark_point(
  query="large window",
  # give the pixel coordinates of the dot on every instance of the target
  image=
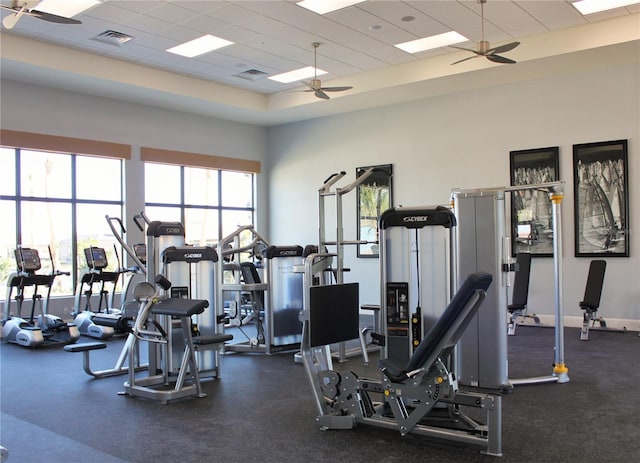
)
(56, 203)
(210, 203)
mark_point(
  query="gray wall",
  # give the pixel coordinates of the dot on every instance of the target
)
(435, 144)
(50, 111)
(463, 140)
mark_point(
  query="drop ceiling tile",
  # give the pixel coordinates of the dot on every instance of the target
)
(137, 6)
(553, 15)
(109, 12)
(206, 24)
(364, 22)
(173, 13)
(383, 9)
(421, 26)
(231, 13)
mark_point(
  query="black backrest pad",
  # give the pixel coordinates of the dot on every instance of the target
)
(333, 313)
(250, 273)
(452, 323)
(595, 280)
(521, 280)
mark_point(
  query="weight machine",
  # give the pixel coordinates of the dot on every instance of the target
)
(417, 263)
(157, 303)
(192, 270)
(137, 253)
(483, 243)
(265, 291)
(422, 396)
(324, 192)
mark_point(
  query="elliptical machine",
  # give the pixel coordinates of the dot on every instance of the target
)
(46, 328)
(110, 321)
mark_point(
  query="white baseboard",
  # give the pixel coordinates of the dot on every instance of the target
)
(576, 322)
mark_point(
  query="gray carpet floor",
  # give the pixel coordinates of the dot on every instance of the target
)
(261, 410)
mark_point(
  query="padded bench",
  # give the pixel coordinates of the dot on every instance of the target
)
(85, 346)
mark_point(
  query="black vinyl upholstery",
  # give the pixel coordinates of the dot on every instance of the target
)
(452, 323)
(520, 294)
(593, 288)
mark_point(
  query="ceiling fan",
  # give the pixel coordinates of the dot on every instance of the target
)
(22, 7)
(315, 85)
(484, 48)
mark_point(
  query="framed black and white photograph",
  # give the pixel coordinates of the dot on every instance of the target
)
(374, 197)
(601, 199)
(531, 210)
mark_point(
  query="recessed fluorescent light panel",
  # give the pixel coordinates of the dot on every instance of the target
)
(199, 46)
(66, 8)
(595, 6)
(429, 43)
(297, 74)
(326, 6)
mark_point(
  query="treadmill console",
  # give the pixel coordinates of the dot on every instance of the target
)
(28, 260)
(96, 258)
(141, 252)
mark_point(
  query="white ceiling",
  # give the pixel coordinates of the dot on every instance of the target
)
(275, 36)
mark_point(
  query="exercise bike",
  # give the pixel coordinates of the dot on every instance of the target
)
(108, 321)
(46, 328)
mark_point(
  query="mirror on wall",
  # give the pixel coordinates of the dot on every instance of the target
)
(374, 197)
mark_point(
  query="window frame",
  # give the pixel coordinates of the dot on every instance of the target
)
(20, 200)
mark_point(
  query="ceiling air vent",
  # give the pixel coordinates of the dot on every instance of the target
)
(251, 74)
(113, 38)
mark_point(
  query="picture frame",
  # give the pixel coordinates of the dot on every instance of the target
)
(531, 210)
(375, 195)
(601, 199)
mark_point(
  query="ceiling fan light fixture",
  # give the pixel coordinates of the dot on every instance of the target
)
(434, 41)
(66, 8)
(297, 74)
(586, 7)
(326, 6)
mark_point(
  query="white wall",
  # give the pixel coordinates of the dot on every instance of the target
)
(50, 111)
(463, 140)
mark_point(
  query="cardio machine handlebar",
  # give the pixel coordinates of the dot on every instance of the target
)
(130, 251)
(143, 216)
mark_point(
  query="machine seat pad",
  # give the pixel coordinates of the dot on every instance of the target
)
(373, 307)
(178, 307)
(212, 339)
(85, 346)
(514, 307)
(584, 305)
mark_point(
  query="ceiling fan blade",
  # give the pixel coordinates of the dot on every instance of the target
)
(499, 59)
(503, 48)
(464, 59)
(335, 89)
(10, 21)
(320, 94)
(53, 18)
(466, 49)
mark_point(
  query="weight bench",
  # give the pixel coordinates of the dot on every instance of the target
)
(423, 396)
(591, 300)
(520, 295)
(118, 369)
(86, 348)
